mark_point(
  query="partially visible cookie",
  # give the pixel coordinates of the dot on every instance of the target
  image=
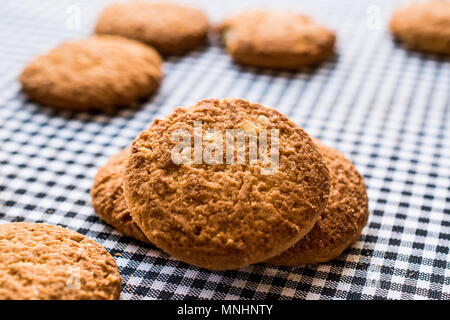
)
(170, 28)
(276, 39)
(342, 221)
(44, 262)
(424, 26)
(225, 214)
(97, 73)
(108, 200)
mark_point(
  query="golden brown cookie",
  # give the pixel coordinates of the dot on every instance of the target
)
(170, 28)
(424, 26)
(44, 262)
(342, 221)
(97, 73)
(225, 215)
(276, 39)
(108, 200)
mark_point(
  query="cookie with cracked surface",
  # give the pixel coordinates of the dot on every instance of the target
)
(228, 213)
(172, 29)
(108, 200)
(341, 222)
(45, 262)
(276, 39)
(424, 26)
(97, 73)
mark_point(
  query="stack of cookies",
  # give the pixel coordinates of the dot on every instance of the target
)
(228, 183)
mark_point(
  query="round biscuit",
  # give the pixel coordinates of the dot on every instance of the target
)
(276, 39)
(171, 28)
(44, 262)
(97, 73)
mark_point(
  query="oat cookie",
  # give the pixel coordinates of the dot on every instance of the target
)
(276, 39)
(97, 73)
(108, 200)
(424, 26)
(225, 216)
(342, 221)
(171, 28)
(44, 262)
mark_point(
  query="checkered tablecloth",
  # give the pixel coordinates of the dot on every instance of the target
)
(386, 108)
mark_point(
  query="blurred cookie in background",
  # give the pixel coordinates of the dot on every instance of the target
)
(423, 26)
(276, 39)
(97, 73)
(171, 28)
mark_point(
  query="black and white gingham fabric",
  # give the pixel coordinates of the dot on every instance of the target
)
(386, 108)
